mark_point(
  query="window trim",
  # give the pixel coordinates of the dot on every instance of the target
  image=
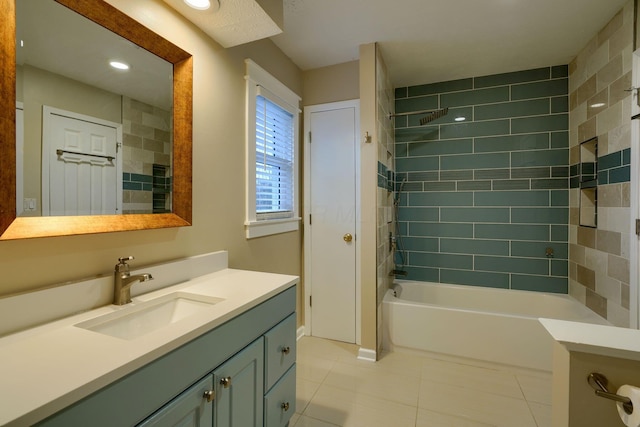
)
(260, 82)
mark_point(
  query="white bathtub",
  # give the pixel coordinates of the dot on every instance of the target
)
(495, 325)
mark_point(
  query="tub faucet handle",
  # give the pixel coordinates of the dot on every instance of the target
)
(122, 266)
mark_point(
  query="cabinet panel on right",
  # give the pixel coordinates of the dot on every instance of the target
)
(280, 402)
(280, 350)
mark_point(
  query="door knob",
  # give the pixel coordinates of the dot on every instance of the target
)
(347, 237)
(226, 382)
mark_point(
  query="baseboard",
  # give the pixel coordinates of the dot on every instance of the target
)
(300, 333)
(367, 354)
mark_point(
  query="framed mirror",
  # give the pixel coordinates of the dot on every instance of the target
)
(171, 107)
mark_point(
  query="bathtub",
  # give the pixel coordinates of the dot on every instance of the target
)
(494, 325)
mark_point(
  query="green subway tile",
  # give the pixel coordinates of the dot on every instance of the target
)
(560, 172)
(411, 186)
(540, 215)
(403, 228)
(549, 184)
(511, 184)
(450, 117)
(491, 174)
(512, 232)
(475, 246)
(503, 110)
(407, 105)
(511, 198)
(448, 86)
(560, 104)
(440, 229)
(417, 164)
(423, 176)
(511, 78)
(420, 244)
(401, 149)
(436, 260)
(406, 213)
(456, 175)
(131, 186)
(618, 175)
(459, 146)
(531, 172)
(475, 97)
(534, 141)
(417, 134)
(473, 185)
(473, 129)
(539, 249)
(559, 268)
(560, 139)
(475, 278)
(440, 186)
(441, 199)
(521, 159)
(559, 71)
(400, 122)
(540, 89)
(540, 123)
(626, 156)
(560, 198)
(126, 176)
(557, 285)
(610, 161)
(559, 233)
(422, 274)
(475, 214)
(511, 265)
(401, 92)
(135, 177)
(475, 161)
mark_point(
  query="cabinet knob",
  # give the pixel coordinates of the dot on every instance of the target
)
(209, 395)
(286, 350)
(285, 406)
(226, 382)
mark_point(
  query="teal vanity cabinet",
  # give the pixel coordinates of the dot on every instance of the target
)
(239, 374)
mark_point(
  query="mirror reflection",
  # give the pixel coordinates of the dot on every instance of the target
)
(90, 138)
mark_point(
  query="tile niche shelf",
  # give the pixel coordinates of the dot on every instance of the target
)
(589, 183)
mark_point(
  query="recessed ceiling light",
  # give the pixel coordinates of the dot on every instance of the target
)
(198, 4)
(598, 105)
(460, 119)
(118, 65)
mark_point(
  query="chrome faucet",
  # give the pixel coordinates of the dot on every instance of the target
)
(123, 280)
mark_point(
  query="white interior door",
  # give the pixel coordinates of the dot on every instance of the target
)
(83, 170)
(332, 224)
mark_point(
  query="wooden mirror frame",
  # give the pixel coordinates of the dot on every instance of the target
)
(102, 13)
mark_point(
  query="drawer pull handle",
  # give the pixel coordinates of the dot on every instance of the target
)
(285, 406)
(286, 350)
(209, 395)
(226, 382)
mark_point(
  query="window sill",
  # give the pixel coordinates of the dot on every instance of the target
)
(269, 227)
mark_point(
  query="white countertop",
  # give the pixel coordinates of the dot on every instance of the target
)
(604, 340)
(46, 368)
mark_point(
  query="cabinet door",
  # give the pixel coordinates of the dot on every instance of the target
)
(189, 409)
(279, 350)
(238, 385)
(280, 402)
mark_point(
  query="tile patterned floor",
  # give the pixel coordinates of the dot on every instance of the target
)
(414, 390)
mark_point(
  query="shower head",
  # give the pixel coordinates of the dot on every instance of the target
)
(434, 115)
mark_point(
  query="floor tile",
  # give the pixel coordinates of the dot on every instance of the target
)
(435, 419)
(485, 407)
(311, 422)
(313, 368)
(305, 390)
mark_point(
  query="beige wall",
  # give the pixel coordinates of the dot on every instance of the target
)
(599, 257)
(218, 176)
(332, 84)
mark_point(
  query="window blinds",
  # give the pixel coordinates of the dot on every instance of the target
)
(274, 160)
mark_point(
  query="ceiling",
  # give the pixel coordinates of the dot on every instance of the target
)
(425, 41)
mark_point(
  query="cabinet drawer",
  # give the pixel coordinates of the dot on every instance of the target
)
(280, 402)
(280, 350)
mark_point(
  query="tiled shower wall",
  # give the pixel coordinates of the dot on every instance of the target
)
(599, 257)
(485, 201)
(385, 134)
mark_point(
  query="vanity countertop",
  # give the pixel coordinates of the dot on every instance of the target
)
(49, 367)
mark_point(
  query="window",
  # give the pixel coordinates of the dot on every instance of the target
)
(272, 147)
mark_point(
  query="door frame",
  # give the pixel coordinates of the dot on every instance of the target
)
(47, 112)
(19, 158)
(634, 246)
(308, 110)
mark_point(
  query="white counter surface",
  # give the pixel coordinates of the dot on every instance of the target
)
(45, 369)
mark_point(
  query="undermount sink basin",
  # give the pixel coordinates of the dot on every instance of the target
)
(142, 318)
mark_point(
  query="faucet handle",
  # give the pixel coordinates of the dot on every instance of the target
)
(124, 259)
(122, 266)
